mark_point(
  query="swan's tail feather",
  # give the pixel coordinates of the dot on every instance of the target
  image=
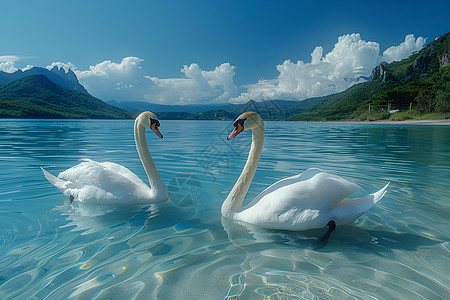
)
(380, 194)
(348, 210)
(60, 184)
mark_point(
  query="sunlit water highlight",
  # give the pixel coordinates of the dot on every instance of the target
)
(50, 249)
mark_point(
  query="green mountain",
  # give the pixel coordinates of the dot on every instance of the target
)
(419, 83)
(38, 97)
(56, 75)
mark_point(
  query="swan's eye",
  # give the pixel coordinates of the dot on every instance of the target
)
(240, 122)
(156, 122)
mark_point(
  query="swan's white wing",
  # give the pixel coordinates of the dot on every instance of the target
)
(125, 172)
(101, 183)
(313, 189)
(90, 172)
(298, 202)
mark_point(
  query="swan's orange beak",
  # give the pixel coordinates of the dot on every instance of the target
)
(156, 130)
(237, 129)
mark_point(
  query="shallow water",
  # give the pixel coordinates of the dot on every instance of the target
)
(51, 249)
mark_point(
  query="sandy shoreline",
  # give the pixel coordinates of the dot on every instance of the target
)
(445, 122)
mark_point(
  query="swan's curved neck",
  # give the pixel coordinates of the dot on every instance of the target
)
(156, 184)
(233, 203)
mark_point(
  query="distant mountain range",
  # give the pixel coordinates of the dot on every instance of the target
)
(420, 82)
(56, 75)
(269, 110)
(139, 106)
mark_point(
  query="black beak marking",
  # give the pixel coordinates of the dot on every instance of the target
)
(240, 122)
(156, 122)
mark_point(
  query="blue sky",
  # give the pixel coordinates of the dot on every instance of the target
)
(181, 52)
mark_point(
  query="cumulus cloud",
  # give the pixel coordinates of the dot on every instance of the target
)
(127, 81)
(8, 63)
(110, 80)
(65, 66)
(198, 86)
(403, 50)
(350, 62)
(8, 66)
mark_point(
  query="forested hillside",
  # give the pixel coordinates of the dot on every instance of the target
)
(38, 97)
(417, 85)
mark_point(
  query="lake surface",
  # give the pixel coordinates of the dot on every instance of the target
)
(183, 249)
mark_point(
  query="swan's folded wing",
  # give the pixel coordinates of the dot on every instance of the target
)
(125, 172)
(92, 173)
(314, 189)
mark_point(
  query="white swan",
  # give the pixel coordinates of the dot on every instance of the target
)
(309, 200)
(110, 183)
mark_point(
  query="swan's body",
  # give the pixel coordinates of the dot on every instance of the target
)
(110, 183)
(309, 200)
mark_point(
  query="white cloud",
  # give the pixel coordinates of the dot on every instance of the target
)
(28, 67)
(216, 86)
(9, 58)
(120, 81)
(350, 62)
(8, 63)
(127, 81)
(65, 66)
(8, 67)
(403, 50)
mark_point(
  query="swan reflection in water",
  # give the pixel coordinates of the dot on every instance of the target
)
(241, 233)
(185, 190)
(92, 218)
(350, 236)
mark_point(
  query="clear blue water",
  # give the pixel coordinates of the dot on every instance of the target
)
(50, 249)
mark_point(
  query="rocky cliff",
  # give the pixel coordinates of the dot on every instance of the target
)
(422, 64)
(57, 75)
